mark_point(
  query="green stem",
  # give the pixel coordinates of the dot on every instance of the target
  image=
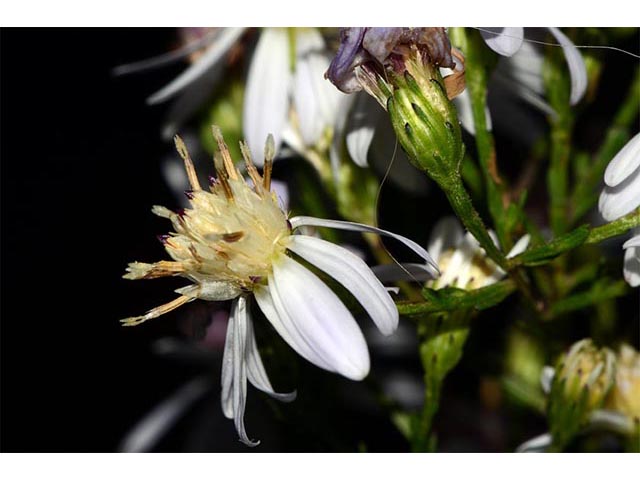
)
(558, 89)
(477, 76)
(463, 207)
(615, 228)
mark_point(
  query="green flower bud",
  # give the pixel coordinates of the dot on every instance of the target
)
(584, 377)
(423, 118)
(426, 121)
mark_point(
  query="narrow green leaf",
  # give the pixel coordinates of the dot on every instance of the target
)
(451, 299)
(546, 253)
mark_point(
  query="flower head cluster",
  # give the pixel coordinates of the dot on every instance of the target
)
(235, 243)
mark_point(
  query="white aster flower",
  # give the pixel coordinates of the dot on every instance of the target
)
(236, 243)
(290, 99)
(621, 196)
(519, 75)
(461, 259)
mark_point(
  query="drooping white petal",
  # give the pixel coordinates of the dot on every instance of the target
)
(301, 221)
(536, 444)
(360, 128)
(256, 373)
(520, 246)
(505, 41)
(319, 318)
(150, 430)
(617, 201)
(446, 233)
(226, 377)
(577, 68)
(209, 59)
(631, 268)
(266, 99)
(315, 99)
(546, 378)
(234, 370)
(352, 273)
(626, 161)
(272, 306)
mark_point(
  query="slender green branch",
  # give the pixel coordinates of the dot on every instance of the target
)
(558, 92)
(615, 228)
(477, 76)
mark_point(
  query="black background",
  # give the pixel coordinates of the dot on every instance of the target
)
(80, 172)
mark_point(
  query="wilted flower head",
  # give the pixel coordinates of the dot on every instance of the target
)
(235, 243)
(386, 47)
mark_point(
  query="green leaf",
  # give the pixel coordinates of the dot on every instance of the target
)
(557, 246)
(452, 299)
(600, 291)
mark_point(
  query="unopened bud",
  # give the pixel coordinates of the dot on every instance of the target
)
(426, 121)
(584, 377)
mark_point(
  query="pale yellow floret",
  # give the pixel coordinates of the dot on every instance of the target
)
(477, 272)
(625, 394)
(227, 240)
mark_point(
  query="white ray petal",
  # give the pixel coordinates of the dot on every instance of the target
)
(208, 60)
(315, 99)
(320, 318)
(256, 373)
(272, 306)
(632, 242)
(301, 221)
(149, 431)
(234, 370)
(446, 233)
(505, 41)
(227, 380)
(266, 99)
(631, 268)
(577, 68)
(352, 273)
(520, 246)
(536, 444)
(546, 378)
(624, 163)
(360, 128)
(617, 201)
